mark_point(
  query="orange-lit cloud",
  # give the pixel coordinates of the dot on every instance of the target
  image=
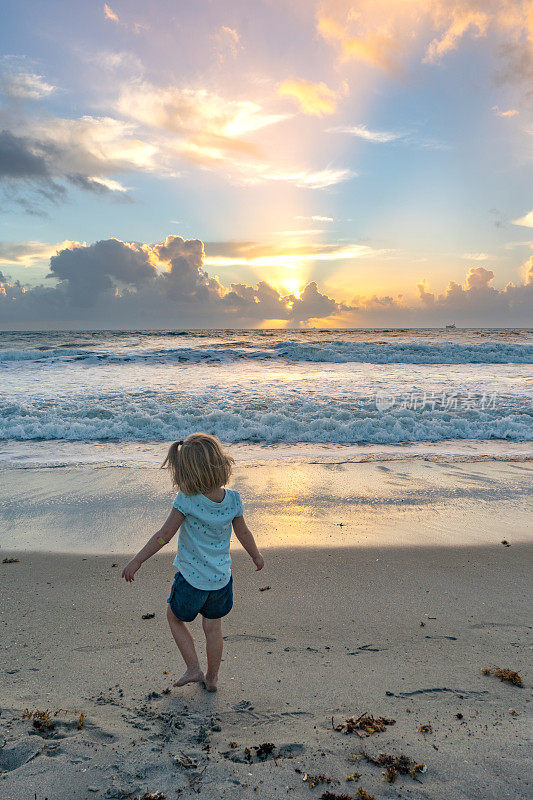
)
(133, 283)
(313, 98)
(511, 112)
(28, 253)
(227, 42)
(207, 128)
(109, 13)
(257, 255)
(456, 22)
(383, 32)
(193, 111)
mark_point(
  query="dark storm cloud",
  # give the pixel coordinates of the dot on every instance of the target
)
(113, 284)
(87, 272)
(20, 159)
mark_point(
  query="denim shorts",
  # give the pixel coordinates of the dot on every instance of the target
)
(187, 601)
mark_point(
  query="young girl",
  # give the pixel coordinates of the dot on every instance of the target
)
(204, 512)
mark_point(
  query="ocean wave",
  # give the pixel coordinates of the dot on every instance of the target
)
(271, 420)
(339, 352)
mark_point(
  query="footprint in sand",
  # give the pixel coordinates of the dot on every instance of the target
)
(366, 648)
(14, 757)
(248, 637)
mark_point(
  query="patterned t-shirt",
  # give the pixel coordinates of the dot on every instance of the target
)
(203, 543)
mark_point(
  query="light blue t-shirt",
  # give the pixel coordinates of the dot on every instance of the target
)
(203, 543)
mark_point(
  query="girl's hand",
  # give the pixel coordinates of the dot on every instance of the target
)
(130, 569)
(259, 562)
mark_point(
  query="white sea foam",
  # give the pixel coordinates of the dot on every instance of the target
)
(315, 387)
(339, 352)
(146, 418)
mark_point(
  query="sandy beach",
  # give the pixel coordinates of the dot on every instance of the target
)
(393, 614)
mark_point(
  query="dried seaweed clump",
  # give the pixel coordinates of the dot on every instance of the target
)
(153, 796)
(316, 780)
(427, 728)
(365, 725)
(41, 720)
(396, 765)
(262, 752)
(364, 795)
(504, 675)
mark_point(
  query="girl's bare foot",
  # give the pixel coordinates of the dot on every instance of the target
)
(210, 682)
(190, 676)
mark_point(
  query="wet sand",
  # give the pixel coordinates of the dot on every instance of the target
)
(394, 616)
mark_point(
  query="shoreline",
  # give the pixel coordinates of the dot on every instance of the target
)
(88, 509)
(64, 453)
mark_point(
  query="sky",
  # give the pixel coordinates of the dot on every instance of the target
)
(266, 163)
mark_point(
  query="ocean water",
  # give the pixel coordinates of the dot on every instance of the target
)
(87, 397)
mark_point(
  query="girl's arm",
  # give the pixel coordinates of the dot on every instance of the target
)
(244, 535)
(155, 543)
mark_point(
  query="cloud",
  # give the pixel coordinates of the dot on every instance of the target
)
(384, 33)
(110, 14)
(227, 43)
(363, 133)
(251, 254)
(25, 176)
(478, 296)
(316, 218)
(129, 285)
(526, 220)
(511, 112)
(27, 253)
(25, 85)
(205, 127)
(90, 270)
(49, 153)
(476, 256)
(22, 158)
(313, 98)
(144, 128)
(152, 284)
(385, 137)
(304, 178)
(460, 21)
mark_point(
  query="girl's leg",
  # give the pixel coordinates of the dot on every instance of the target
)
(182, 637)
(213, 640)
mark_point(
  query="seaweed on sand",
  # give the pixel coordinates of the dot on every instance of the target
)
(427, 728)
(41, 720)
(504, 675)
(153, 796)
(316, 780)
(396, 765)
(262, 751)
(365, 725)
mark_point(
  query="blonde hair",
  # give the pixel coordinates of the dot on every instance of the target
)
(198, 464)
